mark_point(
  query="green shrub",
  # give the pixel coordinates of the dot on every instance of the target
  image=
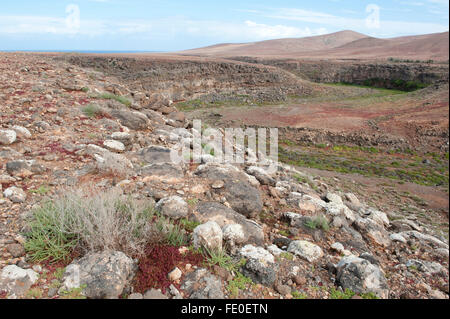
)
(90, 220)
(318, 222)
(298, 295)
(171, 233)
(369, 295)
(120, 99)
(337, 294)
(219, 258)
(239, 282)
(189, 225)
(92, 110)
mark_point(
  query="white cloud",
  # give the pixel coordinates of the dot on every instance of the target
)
(389, 27)
(50, 25)
(280, 31)
(170, 27)
(248, 30)
(299, 23)
(441, 2)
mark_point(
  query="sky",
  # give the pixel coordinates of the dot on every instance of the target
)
(171, 25)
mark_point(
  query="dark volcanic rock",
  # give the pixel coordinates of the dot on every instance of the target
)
(243, 198)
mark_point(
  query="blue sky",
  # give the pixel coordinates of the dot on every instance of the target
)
(168, 25)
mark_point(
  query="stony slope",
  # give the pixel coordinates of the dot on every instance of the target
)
(296, 236)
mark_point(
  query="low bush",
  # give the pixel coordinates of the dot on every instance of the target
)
(118, 98)
(92, 110)
(318, 222)
(94, 220)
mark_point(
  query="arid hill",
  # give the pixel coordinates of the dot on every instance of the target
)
(281, 46)
(340, 45)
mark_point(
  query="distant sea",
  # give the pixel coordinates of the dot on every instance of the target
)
(81, 51)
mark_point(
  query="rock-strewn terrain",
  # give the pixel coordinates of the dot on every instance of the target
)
(358, 72)
(178, 79)
(280, 235)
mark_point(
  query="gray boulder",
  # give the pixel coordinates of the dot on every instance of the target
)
(103, 275)
(305, 250)
(208, 235)
(261, 175)
(15, 194)
(216, 171)
(424, 238)
(162, 171)
(260, 266)
(223, 216)
(133, 120)
(16, 281)
(243, 198)
(7, 137)
(360, 276)
(373, 231)
(429, 267)
(154, 294)
(201, 284)
(156, 154)
(107, 161)
(240, 194)
(334, 198)
(18, 167)
(174, 207)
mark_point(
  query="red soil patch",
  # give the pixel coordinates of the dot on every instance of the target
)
(159, 260)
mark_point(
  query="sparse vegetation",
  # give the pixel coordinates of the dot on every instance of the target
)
(298, 295)
(42, 190)
(189, 225)
(222, 259)
(284, 233)
(379, 89)
(401, 165)
(287, 256)
(318, 222)
(34, 293)
(369, 295)
(171, 233)
(75, 293)
(339, 294)
(238, 283)
(397, 60)
(107, 220)
(110, 96)
(92, 110)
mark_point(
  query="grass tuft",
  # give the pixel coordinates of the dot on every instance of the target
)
(118, 98)
(318, 222)
(93, 220)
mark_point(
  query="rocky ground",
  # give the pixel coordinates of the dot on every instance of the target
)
(286, 235)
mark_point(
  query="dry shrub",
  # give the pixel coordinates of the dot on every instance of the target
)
(91, 220)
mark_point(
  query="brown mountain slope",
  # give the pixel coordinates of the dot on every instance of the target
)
(345, 44)
(281, 46)
(432, 46)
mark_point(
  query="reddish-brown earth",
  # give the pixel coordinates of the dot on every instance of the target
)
(342, 45)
